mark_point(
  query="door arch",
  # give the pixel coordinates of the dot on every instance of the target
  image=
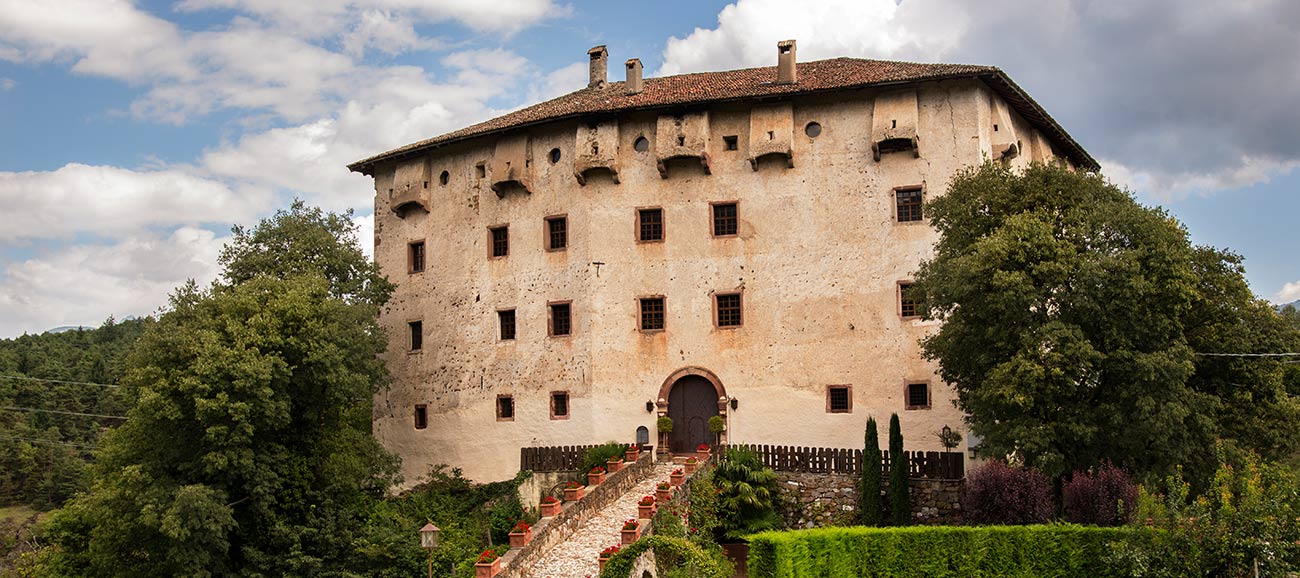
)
(690, 396)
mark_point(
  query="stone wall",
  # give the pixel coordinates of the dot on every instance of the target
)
(548, 532)
(813, 500)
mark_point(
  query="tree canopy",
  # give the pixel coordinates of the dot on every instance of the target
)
(1072, 318)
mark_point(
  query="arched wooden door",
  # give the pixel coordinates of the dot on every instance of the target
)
(691, 403)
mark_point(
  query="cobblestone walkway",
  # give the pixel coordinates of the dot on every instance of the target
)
(576, 557)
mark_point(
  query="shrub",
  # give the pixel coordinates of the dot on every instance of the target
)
(1062, 551)
(996, 493)
(747, 495)
(597, 456)
(870, 508)
(664, 424)
(900, 499)
(1104, 496)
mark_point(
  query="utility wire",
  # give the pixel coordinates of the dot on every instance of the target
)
(25, 378)
(32, 409)
(48, 442)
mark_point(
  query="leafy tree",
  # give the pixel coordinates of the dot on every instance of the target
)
(249, 451)
(870, 510)
(900, 499)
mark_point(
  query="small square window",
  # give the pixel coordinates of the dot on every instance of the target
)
(839, 399)
(728, 306)
(561, 319)
(416, 329)
(918, 395)
(650, 225)
(909, 304)
(500, 240)
(907, 204)
(505, 408)
(724, 219)
(415, 257)
(421, 416)
(652, 313)
(506, 320)
(481, 170)
(559, 405)
(557, 233)
(730, 142)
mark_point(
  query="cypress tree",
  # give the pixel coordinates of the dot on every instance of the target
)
(870, 511)
(900, 503)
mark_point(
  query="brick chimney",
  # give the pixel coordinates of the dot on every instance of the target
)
(785, 69)
(599, 66)
(634, 76)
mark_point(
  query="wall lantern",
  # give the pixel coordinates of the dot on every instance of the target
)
(649, 406)
(734, 403)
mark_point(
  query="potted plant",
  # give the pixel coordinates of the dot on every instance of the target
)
(521, 534)
(631, 531)
(633, 451)
(717, 425)
(702, 451)
(677, 477)
(645, 508)
(692, 465)
(488, 565)
(596, 476)
(551, 507)
(605, 555)
(573, 491)
(663, 492)
(614, 464)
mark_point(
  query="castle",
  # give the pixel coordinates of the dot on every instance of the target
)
(732, 244)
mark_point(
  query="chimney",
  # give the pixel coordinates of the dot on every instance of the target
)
(634, 76)
(599, 66)
(785, 71)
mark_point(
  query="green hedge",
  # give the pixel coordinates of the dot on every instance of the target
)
(1056, 550)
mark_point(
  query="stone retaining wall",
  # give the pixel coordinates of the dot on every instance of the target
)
(813, 500)
(548, 532)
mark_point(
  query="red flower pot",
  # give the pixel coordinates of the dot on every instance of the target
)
(676, 479)
(631, 455)
(595, 479)
(487, 570)
(572, 494)
(521, 539)
(630, 536)
(614, 464)
(662, 496)
(601, 563)
(645, 512)
(549, 510)
(692, 468)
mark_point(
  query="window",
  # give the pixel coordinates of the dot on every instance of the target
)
(730, 142)
(652, 313)
(481, 170)
(918, 395)
(417, 334)
(909, 306)
(506, 319)
(727, 306)
(557, 233)
(500, 240)
(813, 129)
(505, 408)
(559, 405)
(415, 257)
(642, 144)
(724, 219)
(443, 178)
(839, 399)
(907, 204)
(561, 320)
(554, 156)
(421, 416)
(650, 225)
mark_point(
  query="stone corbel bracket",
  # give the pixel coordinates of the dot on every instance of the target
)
(682, 136)
(771, 132)
(893, 124)
(512, 165)
(596, 147)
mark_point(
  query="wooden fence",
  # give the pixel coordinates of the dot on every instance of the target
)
(932, 465)
(552, 459)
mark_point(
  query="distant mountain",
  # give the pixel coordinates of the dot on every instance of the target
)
(66, 328)
(1295, 304)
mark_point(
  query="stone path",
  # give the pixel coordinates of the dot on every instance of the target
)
(576, 557)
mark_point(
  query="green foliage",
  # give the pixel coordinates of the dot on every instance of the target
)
(598, 456)
(1249, 515)
(937, 551)
(695, 561)
(249, 449)
(747, 495)
(717, 424)
(1071, 314)
(703, 513)
(664, 424)
(870, 507)
(44, 457)
(900, 498)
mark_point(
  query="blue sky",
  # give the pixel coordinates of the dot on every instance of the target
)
(134, 134)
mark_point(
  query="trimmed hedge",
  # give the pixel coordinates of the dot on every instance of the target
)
(1055, 551)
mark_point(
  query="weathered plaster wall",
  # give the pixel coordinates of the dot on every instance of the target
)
(818, 258)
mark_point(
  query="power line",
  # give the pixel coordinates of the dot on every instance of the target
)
(48, 442)
(25, 378)
(33, 409)
(1249, 354)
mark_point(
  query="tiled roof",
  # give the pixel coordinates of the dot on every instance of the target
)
(705, 87)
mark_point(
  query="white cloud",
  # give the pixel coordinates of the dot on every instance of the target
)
(1168, 186)
(7, 84)
(332, 16)
(1290, 293)
(559, 82)
(113, 201)
(84, 284)
(387, 32)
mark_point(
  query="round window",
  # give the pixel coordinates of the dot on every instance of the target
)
(812, 130)
(555, 156)
(642, 144)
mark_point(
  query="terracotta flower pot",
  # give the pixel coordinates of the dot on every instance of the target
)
(631, 455)
(601, 563)
(676, 479)
(702, 456)
(487, 570)
(630, 536)
(692, 468)
(645, 512)
(614, 464)
(595, 479)
(573, 494)
(549, 510)
(662, 496)
(521, 539)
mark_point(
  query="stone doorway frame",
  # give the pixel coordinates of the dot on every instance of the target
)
(724, 406)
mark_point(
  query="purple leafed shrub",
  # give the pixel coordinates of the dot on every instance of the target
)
(996, 493)
(1104, 496)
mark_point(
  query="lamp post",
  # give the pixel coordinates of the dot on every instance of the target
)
(429, 541)
(949, 439)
